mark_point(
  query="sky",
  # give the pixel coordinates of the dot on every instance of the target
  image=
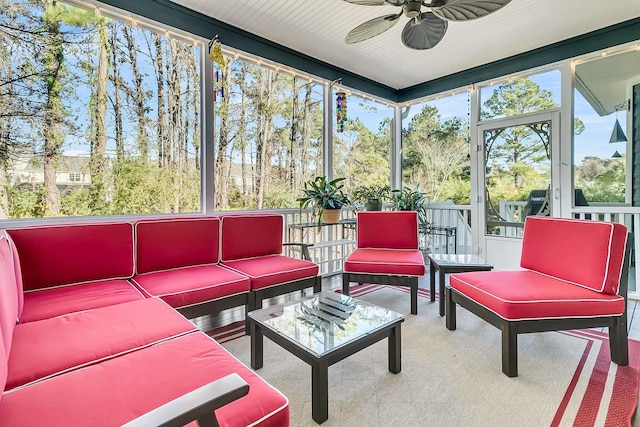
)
(594, 141)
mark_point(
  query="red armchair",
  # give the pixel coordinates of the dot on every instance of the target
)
(574, 276)
(387, 252)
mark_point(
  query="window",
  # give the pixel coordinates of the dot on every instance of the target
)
(599, 162)
(268, 138)
(122, 99)
(362, 150)
(521, 95)
(435, 149)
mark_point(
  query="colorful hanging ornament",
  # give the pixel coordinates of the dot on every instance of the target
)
(341, 110)
(217, 75)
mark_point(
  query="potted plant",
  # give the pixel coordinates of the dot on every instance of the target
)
(409, 199)
(325, 198)
(372, 196)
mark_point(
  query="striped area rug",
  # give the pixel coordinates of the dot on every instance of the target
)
(594, 392)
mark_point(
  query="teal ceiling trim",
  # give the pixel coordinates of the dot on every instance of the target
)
(174, 15)
(603, 38)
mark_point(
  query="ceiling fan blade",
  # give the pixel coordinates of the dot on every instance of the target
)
(372, 28)
(377, 2)
(368, 2)
(465, 10)
(426, 33)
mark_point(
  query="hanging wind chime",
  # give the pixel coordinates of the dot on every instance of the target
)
(341, 110)
(217, 74)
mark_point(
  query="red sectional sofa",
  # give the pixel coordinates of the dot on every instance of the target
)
(90, 335)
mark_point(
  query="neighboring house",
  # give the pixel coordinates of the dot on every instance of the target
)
(27, 171)
(235, 176)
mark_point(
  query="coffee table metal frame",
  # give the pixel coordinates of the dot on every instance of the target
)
(447, 264)
(320, 364)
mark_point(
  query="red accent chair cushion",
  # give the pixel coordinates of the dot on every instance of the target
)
(182, 287)
(172, 243)
(69, 342)
(587, 253)
(47, 303)
(62, 255)
(272, 270)
(388, 230)
(525, 295)
(385, 262)
(120, 389)
(250, 236)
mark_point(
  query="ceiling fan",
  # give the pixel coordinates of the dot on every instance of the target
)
(425, 29)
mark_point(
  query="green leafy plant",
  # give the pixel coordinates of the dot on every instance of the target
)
(321, 194)
(409, 199)
(372, 196)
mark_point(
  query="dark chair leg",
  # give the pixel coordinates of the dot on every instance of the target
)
(450, 310)
(251, 305)
(509, 349)
(345, 283)
(414, 297)
(618, 342)
(317, 287)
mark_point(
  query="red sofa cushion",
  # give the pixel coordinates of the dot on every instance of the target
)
(18, 273)
(172, 243)
(120, 389)
(8, 294)
(187, 286)
(3, 367)
(388, 230)
(66, 254)
(521, 295)
(249, 236)
(385, 261)
(586, 253)
(272, 270)
(47, 303)
(68, 342)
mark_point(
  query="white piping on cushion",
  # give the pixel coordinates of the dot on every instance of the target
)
(275, 411)
(384, 274)
(249, 216)
(275, 273)
(178, 268)
(209, 300)
(83, 283)
(537, 302)
(609, 245)
(102, 359)
(159, 220)
(197, 289)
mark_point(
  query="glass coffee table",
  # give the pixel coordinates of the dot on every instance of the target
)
(447, 264)
(321, 330)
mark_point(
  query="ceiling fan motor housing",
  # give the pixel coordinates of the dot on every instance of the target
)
(412, 9)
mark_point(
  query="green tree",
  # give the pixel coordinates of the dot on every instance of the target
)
(517, 158)
(436, 152)
(361, 156)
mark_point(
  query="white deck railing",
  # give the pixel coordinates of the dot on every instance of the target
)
(448, 215)
(332, 244)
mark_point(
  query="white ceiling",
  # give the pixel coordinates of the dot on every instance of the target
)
(318, 28)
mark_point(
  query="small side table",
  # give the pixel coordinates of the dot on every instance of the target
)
(452, 263)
